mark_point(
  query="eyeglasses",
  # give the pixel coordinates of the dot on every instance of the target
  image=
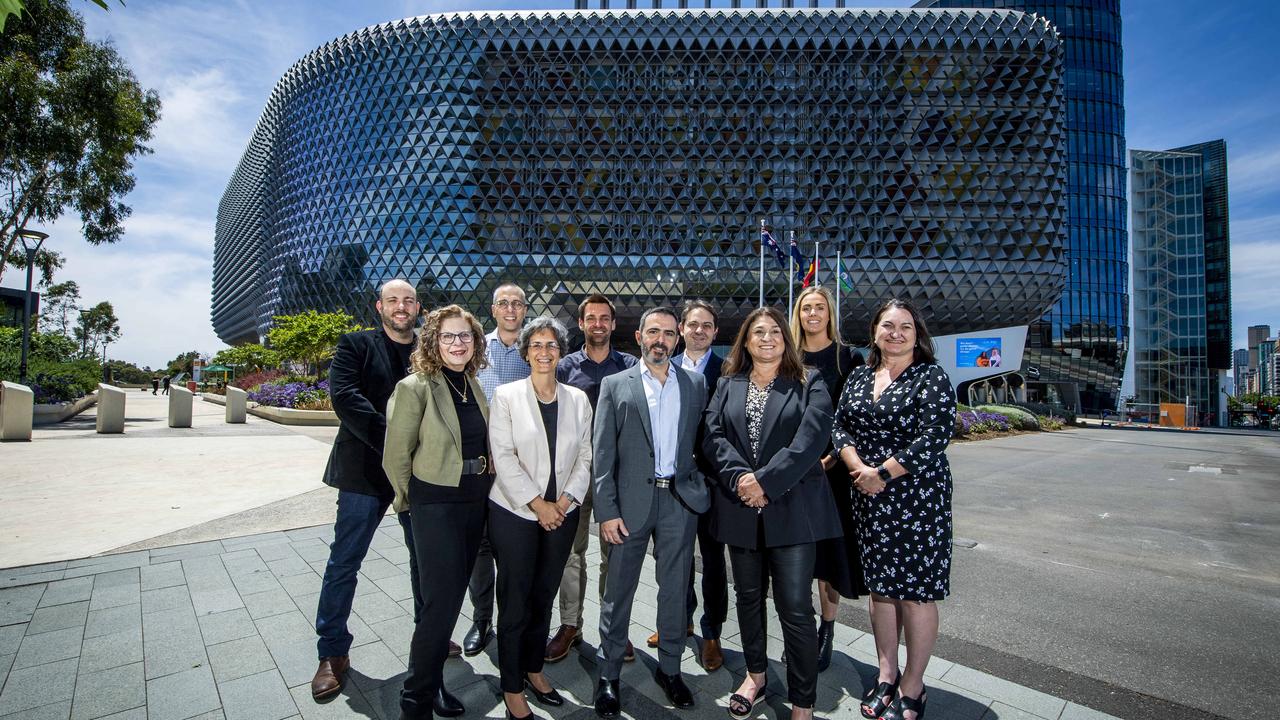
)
(511, 304)
(447, 338)
(537, 346)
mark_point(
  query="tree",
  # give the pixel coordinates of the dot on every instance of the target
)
(58, 304)
(97, 326)
(183, 363)
(309, 337)
(16, 7)
(72, 119)
(250, 357)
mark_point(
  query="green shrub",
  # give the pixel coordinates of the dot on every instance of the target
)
(1050, 422)
(1018, 418)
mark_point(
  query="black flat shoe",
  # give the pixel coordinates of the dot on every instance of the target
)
(550, 698)
(608, 701)
(530, 716)
(741, 706)
(477, 638)
(876, 700)
(446, 705)
(906, 704)
(826, 638)
(676, 691)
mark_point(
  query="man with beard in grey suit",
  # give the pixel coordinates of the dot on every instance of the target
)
(647, 485)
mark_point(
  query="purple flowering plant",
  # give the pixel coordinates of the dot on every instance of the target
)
(969, 422)
(301, 395)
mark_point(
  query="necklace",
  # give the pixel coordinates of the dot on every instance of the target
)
(462, 392)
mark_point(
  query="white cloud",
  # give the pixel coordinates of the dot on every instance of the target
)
(202, 124)
(1254, 172)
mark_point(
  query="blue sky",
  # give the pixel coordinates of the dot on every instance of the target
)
(1194, 71)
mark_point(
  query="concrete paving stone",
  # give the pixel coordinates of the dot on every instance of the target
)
(163, 575)
(950, 701)
(1079, 712)
(407, 606)
(311, 549)
(169, 598)
(315, 531)
(171, 642)
(117, 578)
(350, 704)
(114, 561)
(19, 603)
(479, 698)
(61, 592)
(206, 573)
(1022, 698)
(376, 606)
(239, 658)
(242, 561)
(318, 565)
(380, 568)
(302, 584)
(188, 551)
(289, 566)
(9, 581)
(266, 604)
(397, 634)
(182, 695)
(257, 697)
(36, 569)
(58, 617)
(397, 587)
(252, 541)
(114, 595)
(6, 662)
(109, 691)
(308, 604)
(126, 618)
(291, 638)
(56, 711)
(256, 582)
(276, 551)
(138, 713)
(223, 627)
(376, 665)
(207, 602)
(1000, 711)
(49, 647)
(41, 685)
(211, 715)
(108, 651)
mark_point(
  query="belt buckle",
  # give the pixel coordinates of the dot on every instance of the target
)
(484, 464)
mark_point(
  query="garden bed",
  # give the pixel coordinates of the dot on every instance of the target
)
(51, 413)
(289, 416)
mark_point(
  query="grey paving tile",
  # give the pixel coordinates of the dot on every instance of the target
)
(206, 573)
(396, 633)
(108, 651)
(350, 704)
(239, 658)
(288, 566)
(375, 664)
(1017, 696)
(224, 626)
(375, 569)
(126, 618)
(138, 713)
(183, 552)
(311, 550)
(61, 592)
(291, 638)
(207, 602)
(117, 578)
(376, 606)
(38, 569)
(171, 642)
(6, 662)
(182, 695)
(950, 701)
(1079, 712)
(49, 647)
(249, 541)
(266, 604)
(11, 638)
(109, 691)
(211, 715)
(397, 587)
(37, 686)
(19, 603)
(276, 551)
(163, 575)
(58, 617)
(257, 697)
(60, 710)
(1000, 711)
(168, 598)
(302, 584)
(103, 563)
(116, 591)
(324, 532)
(8, 581)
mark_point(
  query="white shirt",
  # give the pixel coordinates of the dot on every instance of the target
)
(664, 418)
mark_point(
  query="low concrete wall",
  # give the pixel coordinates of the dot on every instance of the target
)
(289, 416)
(180, 407)
(214, 398)
(15, 412)
(56, 413)
(110, 409)
(237, 402)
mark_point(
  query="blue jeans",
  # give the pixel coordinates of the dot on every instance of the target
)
(358, 518)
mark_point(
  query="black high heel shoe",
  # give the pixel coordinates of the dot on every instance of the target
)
(879, 698)
(826, 638)
(906, 704)
(550, 698)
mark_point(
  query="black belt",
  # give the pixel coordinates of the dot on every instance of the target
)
(475, 466)
(663, 482)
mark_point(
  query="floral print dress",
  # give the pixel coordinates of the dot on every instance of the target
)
(906, 528)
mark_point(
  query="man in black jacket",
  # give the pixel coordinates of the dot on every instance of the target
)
(366, 367)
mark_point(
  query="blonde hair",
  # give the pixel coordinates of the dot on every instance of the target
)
(797, 332)
(426, 358)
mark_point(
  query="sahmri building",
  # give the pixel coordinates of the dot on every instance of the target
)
(635, 152)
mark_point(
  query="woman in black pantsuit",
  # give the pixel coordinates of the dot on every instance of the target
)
(436, 456)
(766, 429)
(541, 439)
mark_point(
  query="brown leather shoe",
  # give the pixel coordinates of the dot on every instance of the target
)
(328, 679)
(455, 650)
(562, 642)
(712, 656)
(653, 639)
(630, 654)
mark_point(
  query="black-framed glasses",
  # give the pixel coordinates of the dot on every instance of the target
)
(448, 338)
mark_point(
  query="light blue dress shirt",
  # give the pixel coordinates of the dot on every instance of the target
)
(664, 418)
(505, 365)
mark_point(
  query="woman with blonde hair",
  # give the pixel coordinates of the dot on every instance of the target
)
(838, 568)
(436, 455)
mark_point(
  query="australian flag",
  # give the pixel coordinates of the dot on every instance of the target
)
(772, 244)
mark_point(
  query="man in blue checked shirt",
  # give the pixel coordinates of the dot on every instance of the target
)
(505, 365)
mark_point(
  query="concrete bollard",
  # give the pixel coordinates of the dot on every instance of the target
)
(110, 409)
(180, 407)
(16, 412)
(237, 404)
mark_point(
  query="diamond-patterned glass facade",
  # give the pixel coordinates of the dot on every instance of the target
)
(634, 153)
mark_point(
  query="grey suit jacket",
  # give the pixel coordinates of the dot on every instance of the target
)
(623, 447)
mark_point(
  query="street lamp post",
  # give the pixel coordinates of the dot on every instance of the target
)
(31, 242)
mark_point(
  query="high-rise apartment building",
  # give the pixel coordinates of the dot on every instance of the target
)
(1256, 334)
(1240, 368)
(1079, 347)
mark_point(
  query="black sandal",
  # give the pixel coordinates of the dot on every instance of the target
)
(906, 704)
(741, 707)
(879, 698)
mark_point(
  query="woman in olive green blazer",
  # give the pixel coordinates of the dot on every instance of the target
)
(437, 459)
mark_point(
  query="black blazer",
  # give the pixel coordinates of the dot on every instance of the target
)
(793, 436)
(711, 373)
(361, 379)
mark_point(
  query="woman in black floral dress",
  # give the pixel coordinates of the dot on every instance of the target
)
(892, 427)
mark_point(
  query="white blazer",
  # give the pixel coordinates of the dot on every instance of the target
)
(518, 445)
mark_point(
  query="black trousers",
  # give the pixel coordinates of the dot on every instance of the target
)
(715, 582)
(481, 585)
(446, 538)
(530, 564)
(791, 570)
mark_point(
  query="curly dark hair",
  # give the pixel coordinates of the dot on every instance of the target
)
(426, 357)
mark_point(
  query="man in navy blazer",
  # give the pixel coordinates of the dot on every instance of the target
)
(647, 485)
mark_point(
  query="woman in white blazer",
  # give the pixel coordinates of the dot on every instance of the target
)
(540, 439)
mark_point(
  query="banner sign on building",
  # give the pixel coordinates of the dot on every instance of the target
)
(981, 352)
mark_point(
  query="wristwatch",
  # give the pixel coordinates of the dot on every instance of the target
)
(572, 499)
(884, 473)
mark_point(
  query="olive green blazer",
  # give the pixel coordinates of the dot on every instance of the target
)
(423, 439)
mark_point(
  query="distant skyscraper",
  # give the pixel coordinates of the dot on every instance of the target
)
(1240, 368)
(1079, 346)
(1257, 334)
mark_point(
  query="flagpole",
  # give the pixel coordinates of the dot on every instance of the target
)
(761, 263)
(839, 269)
(791, 275)
(817, 268)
